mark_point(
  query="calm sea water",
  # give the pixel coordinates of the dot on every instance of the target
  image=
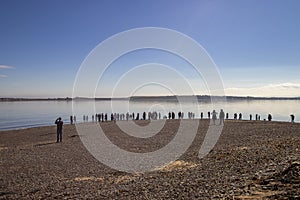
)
(15, 115)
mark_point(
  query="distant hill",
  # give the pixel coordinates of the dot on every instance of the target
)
(155, 98)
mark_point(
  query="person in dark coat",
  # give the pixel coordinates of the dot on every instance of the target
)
(173, 115)
(59, 123)
(292, 118)
(222, 117)
(179, 115)
(269, 117)
(214, 116)
(111, 117)
(71, 119)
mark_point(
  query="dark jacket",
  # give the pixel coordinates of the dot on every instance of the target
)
(59, 124)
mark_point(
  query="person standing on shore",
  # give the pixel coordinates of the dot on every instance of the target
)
(222, 116)
(59, 124)
(292, 118)
(269, 117)
(235, 116)
(240, 116)
(71, 119)
(111, 117)
(137, 116)
(214, 116)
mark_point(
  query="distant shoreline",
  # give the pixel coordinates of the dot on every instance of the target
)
(151, 98)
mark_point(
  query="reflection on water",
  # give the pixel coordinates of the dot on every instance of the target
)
(37, 113)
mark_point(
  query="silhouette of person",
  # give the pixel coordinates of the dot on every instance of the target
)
(111, 117)
(71, 119)
(201, 115)
(292, 118)
(222, 116)
(59, 123)
(240, 116)
(270, 117)
(137, 116)
(179, 115)
(250, 117)
(169, 115)
(173, 115)
(235, 116)
(208, 115)
(227, 115)
(144, 115)
(214, 116)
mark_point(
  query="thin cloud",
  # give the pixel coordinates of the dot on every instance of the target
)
(272, 90)
(6, 67)
(2, 76)
(286, 86)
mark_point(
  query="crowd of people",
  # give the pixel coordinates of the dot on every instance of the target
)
(104, 117)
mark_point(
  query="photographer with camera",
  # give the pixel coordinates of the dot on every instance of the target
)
(59, 124)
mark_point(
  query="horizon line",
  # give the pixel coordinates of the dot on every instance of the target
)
(156, 96)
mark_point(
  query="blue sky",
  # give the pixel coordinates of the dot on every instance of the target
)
(255, 44)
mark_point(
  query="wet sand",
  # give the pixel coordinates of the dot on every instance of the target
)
(252, 160)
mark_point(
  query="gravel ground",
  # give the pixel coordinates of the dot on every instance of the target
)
(252, 160)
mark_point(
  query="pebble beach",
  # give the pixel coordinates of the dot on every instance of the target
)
(251, 160)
